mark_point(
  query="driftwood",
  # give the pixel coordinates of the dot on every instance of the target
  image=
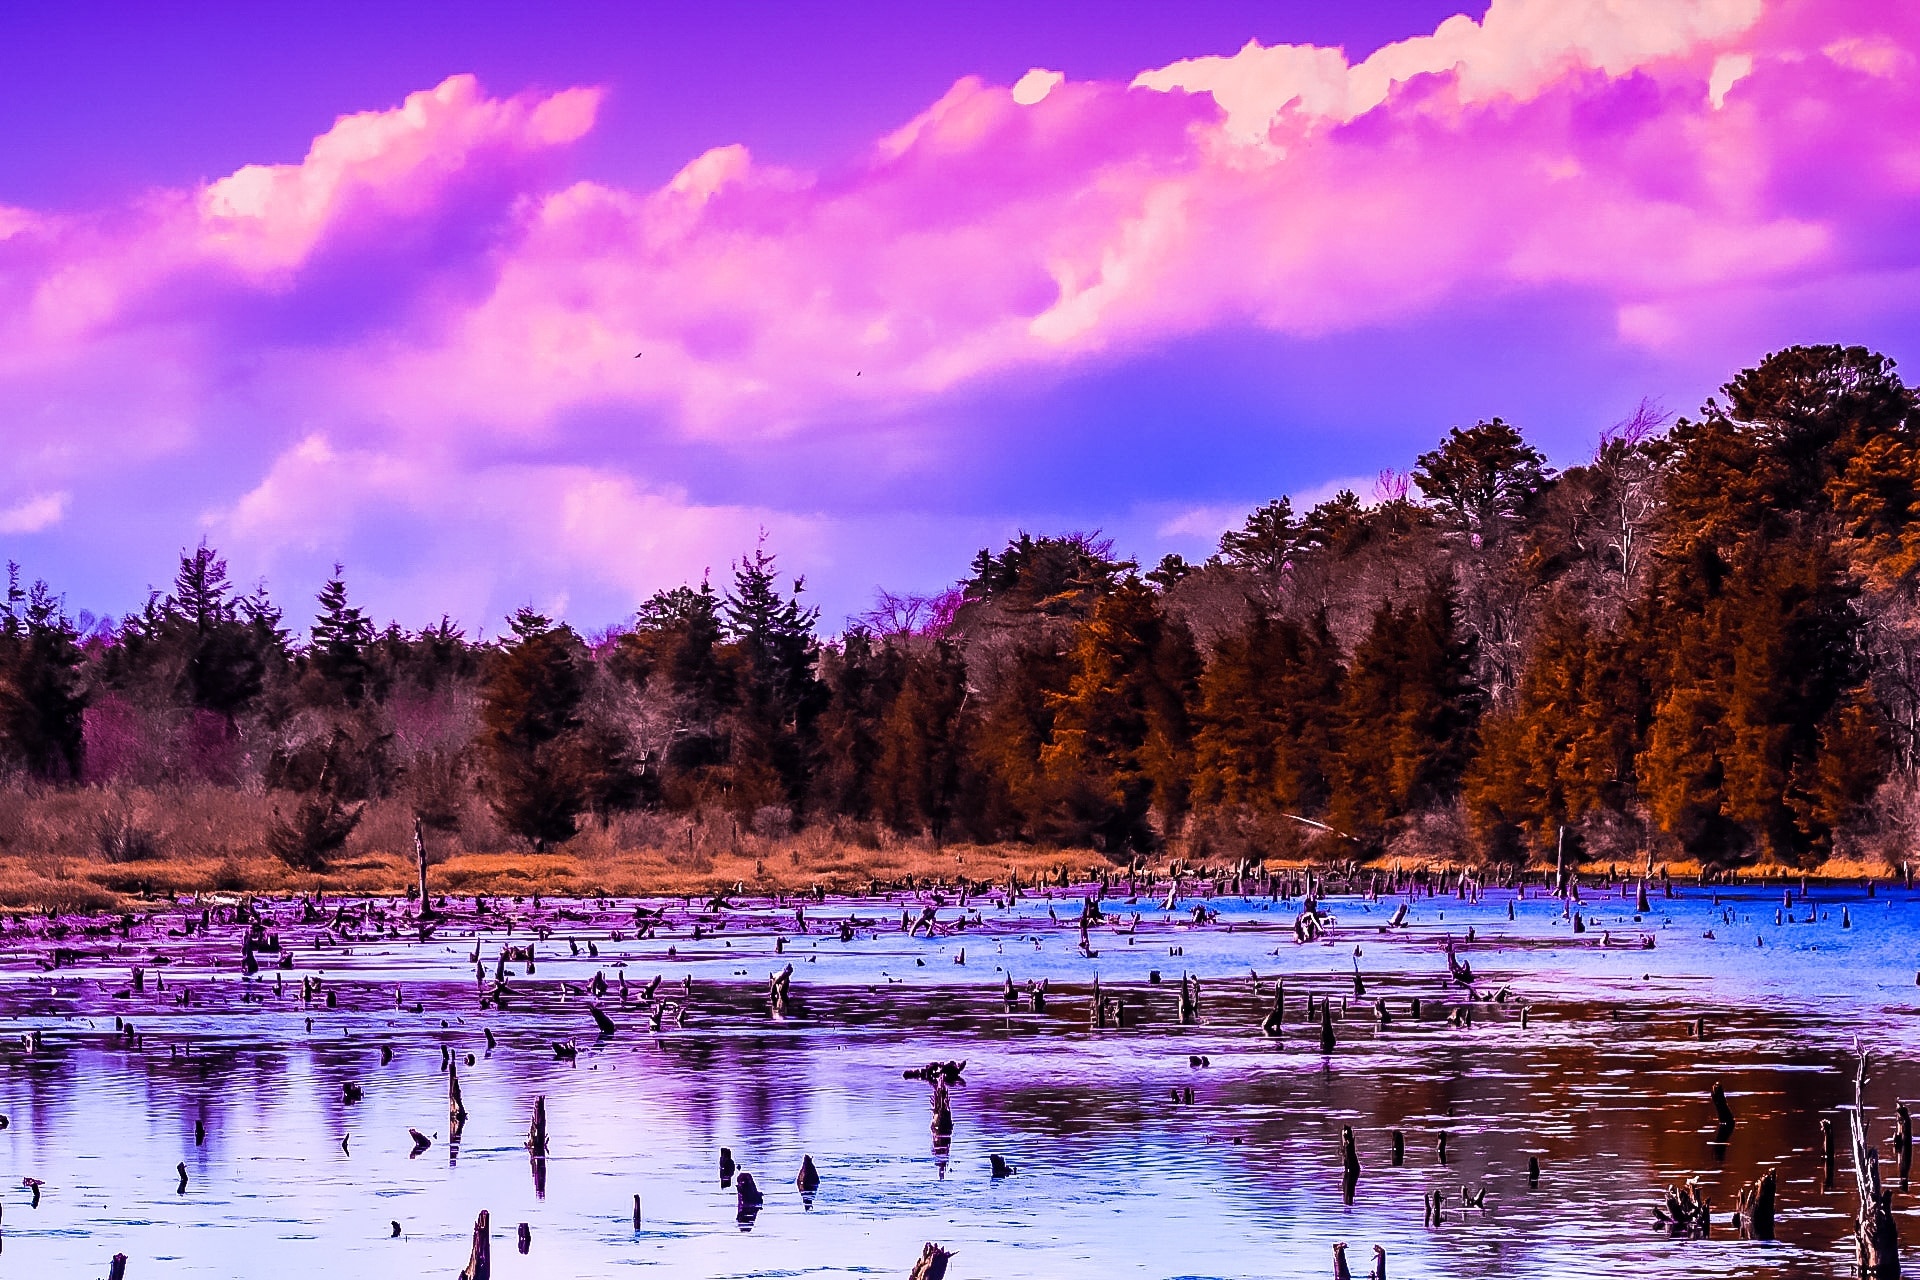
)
(480, 1261)
(931, 1264)
(948, 1072)
(1876, 1236)
(1459, 970)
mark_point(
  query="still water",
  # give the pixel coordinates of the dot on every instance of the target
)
(1117, 1174)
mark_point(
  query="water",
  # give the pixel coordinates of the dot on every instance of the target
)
(1605, 1086)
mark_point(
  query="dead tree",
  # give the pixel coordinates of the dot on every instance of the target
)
(420, 864)
(480, 1261)
(537, 1131)
(778, 1001)
(942, 1106)
(932, 1263)
(1755, 1214)
(1876, 1236)
(456, 1108)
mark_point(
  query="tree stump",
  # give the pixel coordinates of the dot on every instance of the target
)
(456, 1108)
(480, 1261)
(1876, 1235)
(1756, 1209)
(931, 1264)
(1720, 1107)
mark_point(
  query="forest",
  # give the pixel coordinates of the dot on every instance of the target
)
(1701, 645)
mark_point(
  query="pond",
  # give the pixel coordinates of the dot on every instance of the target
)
(1582, 1053)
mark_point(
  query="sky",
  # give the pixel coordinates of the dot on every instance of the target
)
(559, 305)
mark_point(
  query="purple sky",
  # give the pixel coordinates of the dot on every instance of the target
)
(364, 282)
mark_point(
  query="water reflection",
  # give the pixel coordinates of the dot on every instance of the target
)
(253, 1127)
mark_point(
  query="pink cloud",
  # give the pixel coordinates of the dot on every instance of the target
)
(1661, 157)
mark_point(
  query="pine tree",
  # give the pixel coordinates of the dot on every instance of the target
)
(541, 771)
(1121, 741)
(43, 690)
(779, 693)
(1264, 723)
(1409, 711)
(921, 740)
(342, 636)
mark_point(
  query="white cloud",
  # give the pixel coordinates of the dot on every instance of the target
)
(1034, 86)
(41, 511)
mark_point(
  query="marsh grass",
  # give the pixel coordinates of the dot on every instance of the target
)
(95, 848)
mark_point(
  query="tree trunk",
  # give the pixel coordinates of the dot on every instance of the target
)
(931, 1265)
(1876, 1235)
(480, 1261)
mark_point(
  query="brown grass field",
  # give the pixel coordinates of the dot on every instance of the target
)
(55, 852)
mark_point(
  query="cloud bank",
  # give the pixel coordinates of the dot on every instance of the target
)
(425, 346)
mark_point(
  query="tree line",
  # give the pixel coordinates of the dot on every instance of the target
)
(1702, 643)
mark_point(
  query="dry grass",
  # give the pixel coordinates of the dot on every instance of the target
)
(67, 849)
(54, 853)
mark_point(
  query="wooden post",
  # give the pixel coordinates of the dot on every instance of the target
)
(636, 1212)
(117, 1269)
(1720, 1107)
(1326, 1026)
(480, 1261)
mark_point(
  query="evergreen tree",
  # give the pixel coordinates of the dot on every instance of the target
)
(541, 771)
(43, 692)
(1409, 711)
(921, 741)
(779, 694)
(1121, 741)
(1482, 478)
(342, 637)
(1265, 721)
